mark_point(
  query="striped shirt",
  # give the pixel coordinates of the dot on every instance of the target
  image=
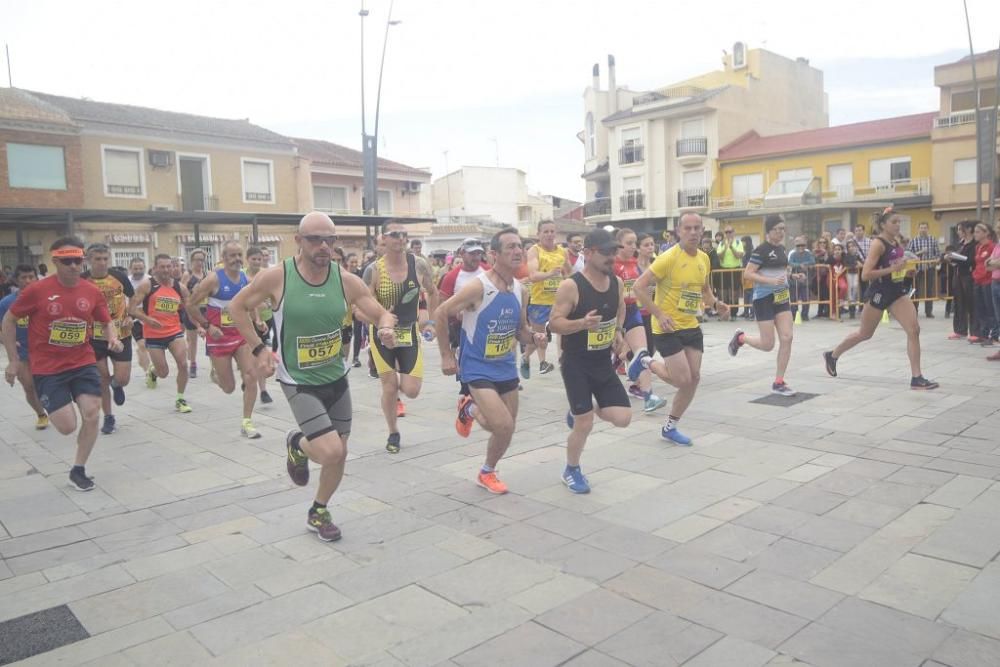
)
(864, 245)
(927, 244)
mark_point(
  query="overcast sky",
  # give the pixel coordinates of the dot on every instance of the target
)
(471, 77)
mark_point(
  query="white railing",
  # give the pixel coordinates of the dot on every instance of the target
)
(957, 118)
(914, 187)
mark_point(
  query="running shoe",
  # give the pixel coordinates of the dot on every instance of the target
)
(526, 368)
(151, 378)
(636, 367)
(653, 403)
(42, 422)
(320, 523)
(955, 336)
(248, 430)
(266, 397)
(392, 444)
(109, 425)
(79, 480)
(782, 389)
(831, 364)
(400, 408)
(297, 463)
(117, 393)
(193, 371)
(372, 373)
(735, 343)
(987, 342)
(463, 423)
(974, 339)
(356, 364)
(182, 406)
(574, 478)
(635, 392)
(490, 482)
(675, 436)
(545, 367)
(920, 382)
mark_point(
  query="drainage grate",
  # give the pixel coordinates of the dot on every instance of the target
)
(39, 632)
(784, 401)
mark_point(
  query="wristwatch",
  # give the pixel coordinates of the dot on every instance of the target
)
(260, 346)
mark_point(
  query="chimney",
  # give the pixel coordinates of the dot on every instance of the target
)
(612, 86)
(597, 77)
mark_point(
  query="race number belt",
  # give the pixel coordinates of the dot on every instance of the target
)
(601, 337)
(689, 302)
(499, 344)
(899, 276)
(99, 331)
(781, 295)
(68, 333)
(628, 287)
(404, 336)
(316, 351)
(166, 305)
(225, 319)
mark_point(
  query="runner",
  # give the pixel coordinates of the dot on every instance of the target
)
(884, 271)
(589, 315)
(136, 276)
(548, 264)
(222, 339)
(24, 275)
(396, 280)
(312, 296)
(256, 262)
(62, 310)
(681, 275)
(626, 267)
(574, 247)
(157, 303)
(191, 278)
(647, 253)
(492, 309)
(472, 266)
(117, 291)
(767, 268)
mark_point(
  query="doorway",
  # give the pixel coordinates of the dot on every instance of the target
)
(195, 185)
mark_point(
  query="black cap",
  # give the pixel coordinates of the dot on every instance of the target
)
(601, 239)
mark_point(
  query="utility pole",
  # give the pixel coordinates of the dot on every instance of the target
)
(447, 182)
(975, 107)
(369, 142)
(993, 144)
(10, 80)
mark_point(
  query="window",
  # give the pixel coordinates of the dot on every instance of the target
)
(748, 185)
(692, 128)
(35, 166)
(631, 149)
(384, 201)
(330, 199)
(258, 181)
(795, 174)
(694, 179)
(965, 100)
(123, 173)
(124, 257)
(840, 179)
(889, 171)
(591, 137)
(211, 251)
(632, 198)
(632, 184)
(965, 171)
(630, 136)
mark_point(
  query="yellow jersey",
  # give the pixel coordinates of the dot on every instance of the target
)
(543, 292)
(680, 278)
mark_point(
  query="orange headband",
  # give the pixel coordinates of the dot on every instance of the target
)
(67, 251)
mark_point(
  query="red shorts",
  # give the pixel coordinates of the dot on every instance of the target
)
(224, 346)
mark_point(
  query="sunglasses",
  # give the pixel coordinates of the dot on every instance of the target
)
(729, 231)
(67, 261)
(316, 239)
(397, 234)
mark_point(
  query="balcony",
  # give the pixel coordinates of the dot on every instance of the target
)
(692, 149)
(630, 154)
(692, 198)
(784, 194)
(596, 207)
(207, 203)
(957, 118)
(632, 200)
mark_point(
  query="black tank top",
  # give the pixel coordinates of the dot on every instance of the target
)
(399, 298)
(892, 254)
(593, 343)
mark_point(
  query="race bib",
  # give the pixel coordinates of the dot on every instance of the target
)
(99, 331)
(68, 333)
(781, 296)
(499, 344)
(404, 336)
(899, 276)
(316, 351)
(551, 285)
(22, 323)
(225, 319)
(689, 302)
(601, 337)
(166, 305)
(628, 287)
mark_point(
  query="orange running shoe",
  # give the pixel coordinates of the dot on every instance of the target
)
(400, 408)
(463, 423)
(492, 483)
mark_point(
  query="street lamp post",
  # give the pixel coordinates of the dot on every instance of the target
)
(369, 142)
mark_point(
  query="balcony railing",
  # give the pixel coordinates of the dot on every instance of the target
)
(131, 190)
(692, 197)
(632, 200)
(891, 191)
(692, 146)
(957, 118)
(599, 206)
(208, 203)
(630, 154)
(257, 196)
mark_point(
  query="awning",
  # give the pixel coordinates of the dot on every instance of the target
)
(130, 237)
(265, 238)
(204, 238)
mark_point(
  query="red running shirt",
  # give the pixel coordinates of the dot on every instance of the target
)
(981, 275)
(60, 324)
(628, 271)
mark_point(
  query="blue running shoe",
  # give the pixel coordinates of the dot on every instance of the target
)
(526, 368)
(118, 393)
(635, 366)
(573, 478)
(569, 420)
(675, 436)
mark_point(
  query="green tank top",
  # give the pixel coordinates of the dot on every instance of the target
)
(308, 322)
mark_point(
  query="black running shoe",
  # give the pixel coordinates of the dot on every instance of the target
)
(920, 382)
(266, 397)
(734, 343)
(831, 364)
(79, 480)
(297, 463)
(392, 444)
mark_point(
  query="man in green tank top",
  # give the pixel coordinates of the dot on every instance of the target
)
(311, 295)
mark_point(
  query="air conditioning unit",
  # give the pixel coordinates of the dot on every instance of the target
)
(161, 159)
(412, 186)
(161, 207)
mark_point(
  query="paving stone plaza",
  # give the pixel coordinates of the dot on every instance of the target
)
(858, 527)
